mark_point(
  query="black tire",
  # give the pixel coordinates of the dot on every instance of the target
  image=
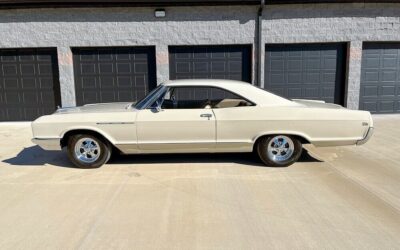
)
(104, 152)
(267, 159)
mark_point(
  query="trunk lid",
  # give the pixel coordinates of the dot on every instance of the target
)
(317, 104)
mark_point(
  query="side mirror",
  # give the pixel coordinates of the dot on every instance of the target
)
(157, 107)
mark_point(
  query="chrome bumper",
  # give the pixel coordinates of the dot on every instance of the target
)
(366, 137)
(48, 143)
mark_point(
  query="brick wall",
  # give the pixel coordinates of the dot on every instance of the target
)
(308, 23)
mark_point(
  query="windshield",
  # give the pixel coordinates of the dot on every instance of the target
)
(143, 102)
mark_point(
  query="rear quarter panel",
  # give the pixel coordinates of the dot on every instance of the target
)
(321, 127)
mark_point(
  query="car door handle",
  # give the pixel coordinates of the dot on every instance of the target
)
(206, 115)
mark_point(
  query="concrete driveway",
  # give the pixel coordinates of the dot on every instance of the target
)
(345, 197)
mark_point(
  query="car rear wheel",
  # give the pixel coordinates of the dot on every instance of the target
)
(88, 151)
(279, 150)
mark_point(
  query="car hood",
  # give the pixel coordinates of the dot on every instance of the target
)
(317, 104)
(96, 107)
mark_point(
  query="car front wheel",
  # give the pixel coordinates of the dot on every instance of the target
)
(88, 151)
(279, 150)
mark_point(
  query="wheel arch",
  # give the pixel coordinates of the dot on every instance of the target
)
(90, 131)
(304, 139)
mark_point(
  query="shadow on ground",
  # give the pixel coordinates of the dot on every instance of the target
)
(35, 156)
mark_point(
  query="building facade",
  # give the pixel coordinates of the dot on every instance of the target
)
(65, 55)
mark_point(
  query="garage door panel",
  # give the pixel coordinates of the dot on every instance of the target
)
(30, 97)
(27, 69)
(276, 79)
(235, 66)
(28, 57)
(90, 97)
(279, 65)
(124, 68)
(388, 76)
(372, 62)
(123, 55)
(183, 67)
(218, 67)
(86, 56)
(46, 99)
(292, 64)
(312, 71)
(8, 56)
(88, 82)
(10, 70)
(390, 63)
(234, 77)
(125, 95)
(11, 83)
(293, 78)
(313, 64)
(31, 113)
(295, 92)
(141, 68)
(313, 78)
(14, 114)
(13, 97)
(88, 69)
(217, 62)
(387, 106)
(388, 91)
(106, 82)
(124, 82)
(114, 74)
(201, 67)
(380, 77)
(329, 78)
(108, 96)
(370, 91)
(29, 83)
(370, 76)
(106, 68)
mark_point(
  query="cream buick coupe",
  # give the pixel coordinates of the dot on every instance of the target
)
(193, 116)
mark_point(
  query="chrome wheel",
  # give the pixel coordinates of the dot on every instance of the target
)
(280, 148)
(87, 150)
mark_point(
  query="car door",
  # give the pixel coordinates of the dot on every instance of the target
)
(178, 122)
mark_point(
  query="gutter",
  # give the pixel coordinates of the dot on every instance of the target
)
(259, 41)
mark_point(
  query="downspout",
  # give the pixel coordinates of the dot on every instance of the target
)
(259, 41)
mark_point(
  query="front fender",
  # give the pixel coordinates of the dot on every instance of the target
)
(90, 128)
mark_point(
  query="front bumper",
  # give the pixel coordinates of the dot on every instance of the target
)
(366, 137)
(48, 143)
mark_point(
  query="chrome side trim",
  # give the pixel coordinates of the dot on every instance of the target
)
(113, 123)
(366, 137)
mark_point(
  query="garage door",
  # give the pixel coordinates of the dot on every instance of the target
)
(306, 71)
(29, 85)
(116, 74)
(214, 62)
(380, 78)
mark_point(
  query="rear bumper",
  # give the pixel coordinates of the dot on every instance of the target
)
(48, 143)
(366, 137)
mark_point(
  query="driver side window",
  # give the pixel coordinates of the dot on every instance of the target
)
(201, 98)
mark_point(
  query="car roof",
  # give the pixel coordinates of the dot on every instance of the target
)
(244, 89)
(203, 82)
